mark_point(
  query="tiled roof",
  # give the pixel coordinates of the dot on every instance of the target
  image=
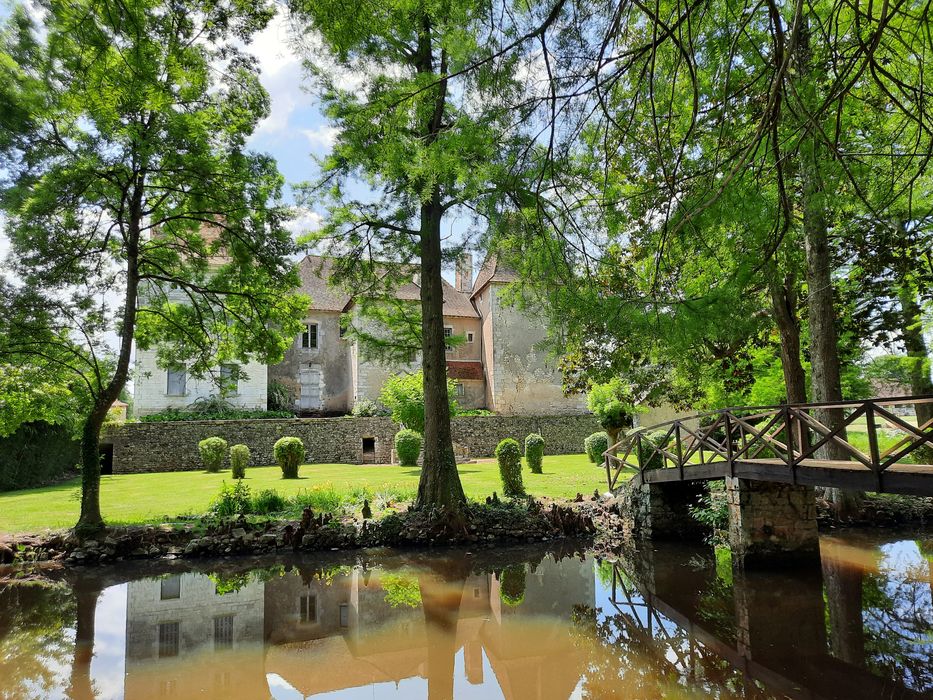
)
(315, 272)
(464, 370)
(492, 271)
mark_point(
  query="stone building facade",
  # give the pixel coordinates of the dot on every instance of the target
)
(500, 365)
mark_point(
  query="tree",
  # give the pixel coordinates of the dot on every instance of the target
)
(613, 405)
(403, 395)
(132, 205)
(430, 132)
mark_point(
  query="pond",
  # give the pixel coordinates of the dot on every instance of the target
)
(672, 622)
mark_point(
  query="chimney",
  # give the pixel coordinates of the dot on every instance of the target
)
(464, 277)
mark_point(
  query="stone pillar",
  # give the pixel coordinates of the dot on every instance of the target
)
(661, 511)
(771, 524)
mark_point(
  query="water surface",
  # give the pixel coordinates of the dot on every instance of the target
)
(671, 622)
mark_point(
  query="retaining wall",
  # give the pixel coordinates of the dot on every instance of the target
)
(173, 446)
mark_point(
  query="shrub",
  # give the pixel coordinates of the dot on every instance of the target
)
(403, 395)
(534, 452)
(647, 458)
(289, 454)
(213, 453)
(367, 408)
(279, 397)
(171, 415)
(512, 585)
(267, 501)
(239, 459)
(408, 447)
(595, 445)
(37, 453)
(233, 500)
(509, 456)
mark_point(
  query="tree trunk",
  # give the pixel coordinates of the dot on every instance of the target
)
(844, 604)
(784, 308)
(440, 600)
(81, 686)
(824, 351)
(916, 347)
(439, 484)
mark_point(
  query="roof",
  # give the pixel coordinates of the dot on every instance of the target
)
(315, 272)
(492, 271)
(464, 370)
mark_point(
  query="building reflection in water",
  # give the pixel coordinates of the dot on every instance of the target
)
(316, 632)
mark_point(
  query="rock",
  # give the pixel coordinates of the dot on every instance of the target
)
(7, 555)
(238, 533)
(192, 546)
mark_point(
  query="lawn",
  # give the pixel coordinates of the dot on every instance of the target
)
(144, 498)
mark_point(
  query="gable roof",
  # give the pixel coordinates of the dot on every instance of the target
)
(492, 271)
(315, 271)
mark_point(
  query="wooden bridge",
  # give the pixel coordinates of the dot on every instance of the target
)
(781, 443)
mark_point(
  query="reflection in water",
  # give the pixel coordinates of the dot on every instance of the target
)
(525, 624)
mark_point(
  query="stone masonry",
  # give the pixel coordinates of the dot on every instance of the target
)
(662, 511)
(771, 523)
(173, 446)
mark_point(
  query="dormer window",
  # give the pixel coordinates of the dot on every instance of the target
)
(309, 337)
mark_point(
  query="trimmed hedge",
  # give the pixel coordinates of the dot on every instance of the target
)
(408, 447)
(595, 445)
(239, 459)
(171, 415)
(509, 456)
(36, 454)
(289, 453)
(213, 453)
(534, 452)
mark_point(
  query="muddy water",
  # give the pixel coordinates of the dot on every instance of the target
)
(673, 622)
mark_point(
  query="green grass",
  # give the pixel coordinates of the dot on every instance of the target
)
(146, 498)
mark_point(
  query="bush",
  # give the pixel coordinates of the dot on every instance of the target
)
(267, 501)
(231, 500)
(171, 415)
(279, 397)
(289, 454)
(647, 458)
(36, 454)
(534, 452)
(239, 459)
(595, 445)
(367, 409)
(213, 453)
(408, 447)
(403, 395)
(512, 585)
(509, 456)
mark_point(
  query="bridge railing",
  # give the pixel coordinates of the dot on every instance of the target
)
(791, 434)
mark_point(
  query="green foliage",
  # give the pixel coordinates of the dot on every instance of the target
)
(279, 398)
(36, 454)
(213, 452)
(239, 460)
(32, 392)
(289, 453)
(267, 501)
(595, 445)
(232, 500)
(613, 404)
(647, 458)
(403, 395)
(170, 415)
(712, 510)
(512, 585)
(408, 447)
(474, 412)
(367, 408)
(509, 457)
(401, 590)
(534, 452)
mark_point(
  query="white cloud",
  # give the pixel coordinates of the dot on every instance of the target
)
(304, 222)
(321, 138)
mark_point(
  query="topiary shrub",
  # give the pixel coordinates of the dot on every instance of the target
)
(239, 459)
(512, 585)
(289, 453)
(408, 447)
(647, 457)
(534, 452)
(595, 445)
(509, 456)
(213, 453)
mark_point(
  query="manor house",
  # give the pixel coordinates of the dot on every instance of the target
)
(499, 366)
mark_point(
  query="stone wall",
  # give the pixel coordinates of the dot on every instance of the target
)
(150, 447)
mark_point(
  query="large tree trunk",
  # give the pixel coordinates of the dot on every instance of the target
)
(844, 604)
(783, 295)
(80, 686)
(824, 351)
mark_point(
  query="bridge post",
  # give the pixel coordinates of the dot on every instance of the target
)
(771, 524)
(662, 511)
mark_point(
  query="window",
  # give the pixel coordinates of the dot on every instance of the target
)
(223, 632)
(229, 384)
(344, 615)
(448, 332)
(469, 337)
(308, 609)
(171, 588)
(460, 390)
(168, 639)
(309, 337)
(177, 379)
